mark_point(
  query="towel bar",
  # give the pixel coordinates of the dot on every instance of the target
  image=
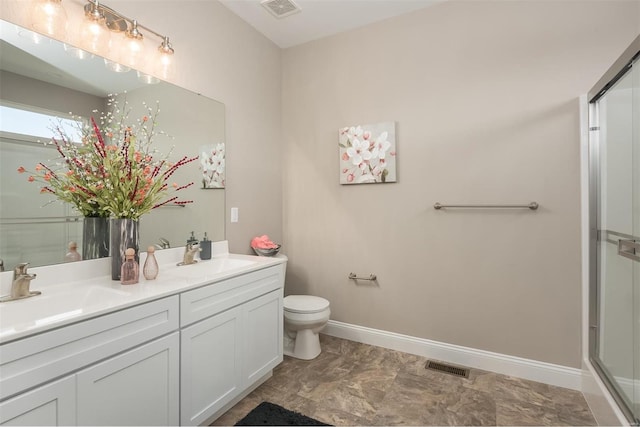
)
(533, 206)
(371, 277)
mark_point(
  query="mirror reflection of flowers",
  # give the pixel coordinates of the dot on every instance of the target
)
(115, 171)
(212, 164)
(366, 154)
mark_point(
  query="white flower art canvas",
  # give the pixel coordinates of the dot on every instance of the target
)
(212, 165)
(368, 153)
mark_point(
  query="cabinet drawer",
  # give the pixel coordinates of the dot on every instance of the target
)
(215, 298)
(35, 360)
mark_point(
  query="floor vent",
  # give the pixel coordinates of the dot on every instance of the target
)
(448, 369)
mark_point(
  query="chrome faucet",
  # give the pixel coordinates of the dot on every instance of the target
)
(190, 252)
(164, 244)
(20, 285)
(22, 281)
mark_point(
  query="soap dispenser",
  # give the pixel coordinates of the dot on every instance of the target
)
(205, 246)
(130, 271)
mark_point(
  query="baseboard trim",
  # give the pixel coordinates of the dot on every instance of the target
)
(548, 373)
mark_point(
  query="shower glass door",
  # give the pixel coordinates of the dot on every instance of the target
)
(615, 130)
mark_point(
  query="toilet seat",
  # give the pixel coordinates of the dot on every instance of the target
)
(304, 304)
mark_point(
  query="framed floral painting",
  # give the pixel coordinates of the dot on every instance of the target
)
(212, 164)
(368, 153)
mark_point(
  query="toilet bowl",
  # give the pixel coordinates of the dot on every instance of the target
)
(304, 317)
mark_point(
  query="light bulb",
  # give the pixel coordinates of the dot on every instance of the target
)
(76, 52)
(49, 17)
(116, 66)
(133, 48)
(147, 78)
(94, 36)
(166, 64)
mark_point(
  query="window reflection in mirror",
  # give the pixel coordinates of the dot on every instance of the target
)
(44, 79)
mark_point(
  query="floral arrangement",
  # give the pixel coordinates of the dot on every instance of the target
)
(212, 164)
(114, 171)
(366, 155)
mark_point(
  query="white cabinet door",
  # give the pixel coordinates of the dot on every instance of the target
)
(211, 366)
(262, 322)
(139, 387)
(53, 404)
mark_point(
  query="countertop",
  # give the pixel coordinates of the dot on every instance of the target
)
(78, 291)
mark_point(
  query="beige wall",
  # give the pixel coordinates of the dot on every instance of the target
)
(485, 99)
(221, 57)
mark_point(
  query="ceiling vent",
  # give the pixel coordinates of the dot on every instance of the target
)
(281, 8)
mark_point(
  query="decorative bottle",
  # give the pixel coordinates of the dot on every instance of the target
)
(130, 270)
(73, 254)
(205, 245)
(150, 269)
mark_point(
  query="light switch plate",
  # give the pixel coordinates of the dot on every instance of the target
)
(234, 214)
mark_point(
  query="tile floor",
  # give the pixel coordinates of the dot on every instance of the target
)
(358, 384)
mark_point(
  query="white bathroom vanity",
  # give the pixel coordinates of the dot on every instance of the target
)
(178, 350)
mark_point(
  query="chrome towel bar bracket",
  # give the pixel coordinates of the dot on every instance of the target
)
(533, 206)
(354, 276)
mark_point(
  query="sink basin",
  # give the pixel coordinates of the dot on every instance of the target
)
(56, 303)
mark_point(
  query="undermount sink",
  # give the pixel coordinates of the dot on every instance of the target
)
(57, 303)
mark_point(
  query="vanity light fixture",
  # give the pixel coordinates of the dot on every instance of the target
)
(49, 17)
(101, 21)
(131, 46)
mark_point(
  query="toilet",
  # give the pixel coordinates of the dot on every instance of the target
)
(304, 317)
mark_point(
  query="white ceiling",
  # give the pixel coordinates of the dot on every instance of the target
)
(320, 18)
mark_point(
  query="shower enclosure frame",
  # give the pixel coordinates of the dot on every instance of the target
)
(616, 72)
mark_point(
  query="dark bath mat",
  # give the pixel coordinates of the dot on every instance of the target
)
(270, 414)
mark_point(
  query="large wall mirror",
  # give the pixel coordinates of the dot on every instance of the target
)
(48, 78)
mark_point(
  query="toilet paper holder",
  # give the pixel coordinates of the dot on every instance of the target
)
(354, 276)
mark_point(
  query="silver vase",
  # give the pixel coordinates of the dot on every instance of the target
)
(124, 234)
(95, 237)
